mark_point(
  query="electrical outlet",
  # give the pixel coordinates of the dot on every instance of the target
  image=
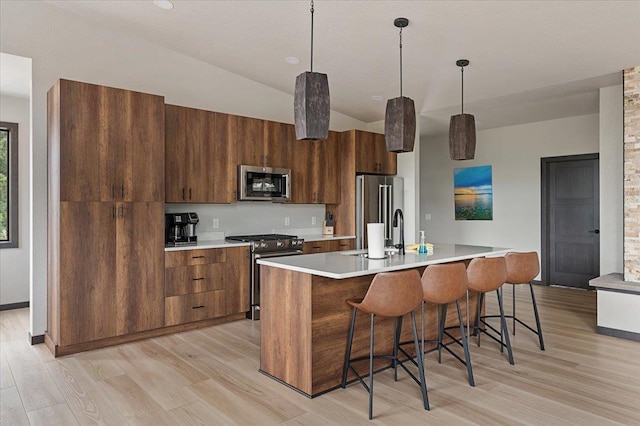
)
(427, 216)
(287, 221)
(314, 220)
(216, 223)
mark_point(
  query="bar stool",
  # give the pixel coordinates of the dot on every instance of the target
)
(485, 275)
(391, 294)
(522, 268)
(442, 285)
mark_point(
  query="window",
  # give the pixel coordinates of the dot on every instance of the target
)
(8, 184)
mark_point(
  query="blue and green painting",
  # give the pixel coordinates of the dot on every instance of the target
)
(473, 193)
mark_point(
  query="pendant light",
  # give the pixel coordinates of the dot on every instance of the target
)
(311, 102)
(400, 116)
(462, 128)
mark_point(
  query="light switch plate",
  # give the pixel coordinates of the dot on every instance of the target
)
(314, 220)
(216, 223)
(287, 221)
(427, 216)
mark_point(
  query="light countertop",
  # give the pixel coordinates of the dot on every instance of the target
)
(320, 237)
(348, 264)
(207, 244)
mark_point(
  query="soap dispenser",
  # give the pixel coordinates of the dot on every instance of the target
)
(422, 248)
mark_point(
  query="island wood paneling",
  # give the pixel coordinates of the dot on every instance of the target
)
(305, 323)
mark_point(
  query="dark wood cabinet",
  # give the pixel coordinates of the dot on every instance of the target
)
(344, 244)
(372, 156)
(250, 146)
(206, 283)
(105, 214)
(325, 246)
(112, 143)
(200, 156)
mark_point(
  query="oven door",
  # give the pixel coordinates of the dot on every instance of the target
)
(264, 183)
(254, 314)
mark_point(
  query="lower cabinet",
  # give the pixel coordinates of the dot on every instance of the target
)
(205, 283)
(326, 246)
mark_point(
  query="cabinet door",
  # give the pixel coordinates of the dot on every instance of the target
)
(303, 168)
(140, 267)
(198, 149)
(327, 179)
(178, 153)
(317, 247)
(250, 147)
(141, 147)
(88, 128)
(340, 245)
(366, 160)
(386, 161)
(237, 280)
(277, 145)
(222, 161)
(87, 271)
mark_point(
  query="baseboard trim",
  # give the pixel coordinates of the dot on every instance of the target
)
(629, 335)
(10, 306)
(36, 340)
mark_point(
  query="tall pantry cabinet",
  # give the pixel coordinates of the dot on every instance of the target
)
(105, 214)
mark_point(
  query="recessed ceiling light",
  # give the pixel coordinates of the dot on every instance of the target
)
(292, 60)
(163, 4)
(376, 98)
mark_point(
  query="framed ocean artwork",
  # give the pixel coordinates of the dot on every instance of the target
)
(473, 193)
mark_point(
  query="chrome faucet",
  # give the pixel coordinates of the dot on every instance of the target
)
(400, 245)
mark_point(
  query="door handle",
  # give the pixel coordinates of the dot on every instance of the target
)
(595, 231)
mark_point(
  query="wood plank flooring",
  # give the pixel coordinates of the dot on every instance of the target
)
(210, 377)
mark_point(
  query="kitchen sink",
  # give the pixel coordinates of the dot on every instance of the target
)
(364, 253)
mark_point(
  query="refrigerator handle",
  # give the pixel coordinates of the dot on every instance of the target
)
(360, 223)
(390, 214)
(384, 217)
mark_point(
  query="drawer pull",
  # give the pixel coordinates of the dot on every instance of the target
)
(197, 307)
(197, 257)
(197, 279)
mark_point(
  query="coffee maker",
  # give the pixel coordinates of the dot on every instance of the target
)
(180, 229)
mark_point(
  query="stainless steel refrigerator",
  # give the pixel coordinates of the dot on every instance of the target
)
(377, 198)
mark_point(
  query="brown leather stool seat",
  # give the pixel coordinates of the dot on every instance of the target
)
(391, 294)
(485, 275)
(522, 268)
(442, 285)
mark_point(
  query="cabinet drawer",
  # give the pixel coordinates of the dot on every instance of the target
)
(316, 247)
(194, 257)
(340, 245)
(194, 307)
(194, 279)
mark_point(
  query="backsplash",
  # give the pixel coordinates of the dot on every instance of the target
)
(253, 217)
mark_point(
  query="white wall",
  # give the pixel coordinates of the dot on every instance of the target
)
(63, 45)
(14, 262)
(611, 180)
(514, 153)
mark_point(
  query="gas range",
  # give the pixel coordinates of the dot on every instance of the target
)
(271, 243)
(263, 246)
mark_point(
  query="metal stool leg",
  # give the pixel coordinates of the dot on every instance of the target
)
(371, 370)
(442, 311)
(423, 383)
(535, 311)
(465, 346)
(503, 326)
(477, 326)
(396, 342)
(513, 308)
(347, 356)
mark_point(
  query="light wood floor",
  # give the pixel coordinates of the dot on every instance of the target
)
(210, 377)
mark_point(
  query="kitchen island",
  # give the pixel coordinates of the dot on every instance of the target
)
(305, 318)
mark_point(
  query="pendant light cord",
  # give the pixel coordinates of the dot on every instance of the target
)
(312, 10)
(400, 61)
(462, 95)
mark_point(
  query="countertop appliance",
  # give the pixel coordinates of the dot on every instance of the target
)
(264, 246)
(256, 183)
(377, 197)
(180, 229)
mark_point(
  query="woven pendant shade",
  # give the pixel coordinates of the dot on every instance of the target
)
(462, 137)
(311, 106)
(400, 124)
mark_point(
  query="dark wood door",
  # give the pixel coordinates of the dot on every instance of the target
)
(177, 167)
(87, 271)
(250, 147)
(237, 280)
(140, 267)
(223, 163)
(327, 171)
(573, 221)
(301, 168)
(277, 146)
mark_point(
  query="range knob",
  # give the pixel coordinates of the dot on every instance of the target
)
(263, 245)
(279, 243)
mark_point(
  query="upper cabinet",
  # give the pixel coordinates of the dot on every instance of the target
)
(372, 156)
(315, 170)
(201, 156)
(111, 141)
(263, 143)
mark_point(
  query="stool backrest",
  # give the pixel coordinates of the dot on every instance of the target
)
(444, 283)
(522, 267)
(393, 294)
(486, 273)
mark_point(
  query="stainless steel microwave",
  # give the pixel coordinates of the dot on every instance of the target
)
(257, 183)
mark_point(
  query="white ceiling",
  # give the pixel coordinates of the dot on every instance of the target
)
(530, 60)
(15, 76)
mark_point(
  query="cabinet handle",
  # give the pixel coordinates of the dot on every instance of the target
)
(121, 211)
(122, 192)
(183, 193)
(197, 279)
(197, 307)
(113, 191)
(197, 257)
(189, 193)
(113, 212)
